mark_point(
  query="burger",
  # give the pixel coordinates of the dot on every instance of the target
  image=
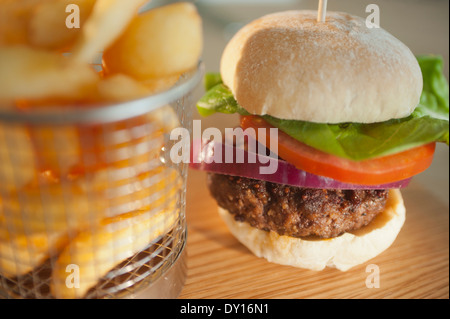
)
(358, 115)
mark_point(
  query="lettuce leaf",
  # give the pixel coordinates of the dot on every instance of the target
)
(219, 99)
(428, 123)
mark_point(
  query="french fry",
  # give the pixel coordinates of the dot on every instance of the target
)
(87, 195)
(162, 42)
(108, 20)
(47, 27)
(121, 87)
(14, 18)
(167, 116)
(56, 147)
(87, 200)
(27, 73)
(96, 251)
(54, 208)
(16, 150)
(157, 85)
(20, 253)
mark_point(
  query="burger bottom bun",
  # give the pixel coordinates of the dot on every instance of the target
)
(343, 252)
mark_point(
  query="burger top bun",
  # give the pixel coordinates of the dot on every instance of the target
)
(290, 66)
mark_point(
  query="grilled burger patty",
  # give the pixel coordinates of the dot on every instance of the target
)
(295, 211)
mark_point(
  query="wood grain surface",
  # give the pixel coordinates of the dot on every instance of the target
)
(415, 266)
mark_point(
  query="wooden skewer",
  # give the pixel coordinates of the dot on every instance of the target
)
(322, 13)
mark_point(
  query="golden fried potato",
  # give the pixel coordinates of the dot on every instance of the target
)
(55, 208)
(87, 195)
(17, 161)
(108, 20)
(47, 27)
(68, 205)
(27, 152)
(160, 84)
(35, 74)
(129, 190)
(120, 87)
(96, 251)
(56, 148)
(20, 253)
(161, 42)
(14, 18)
(165, 115)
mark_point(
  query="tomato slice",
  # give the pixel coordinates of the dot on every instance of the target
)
(383, 170)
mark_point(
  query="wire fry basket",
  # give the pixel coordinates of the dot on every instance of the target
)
(90, 205)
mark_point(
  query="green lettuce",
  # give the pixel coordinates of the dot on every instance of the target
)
(428, 123)
(219, 99)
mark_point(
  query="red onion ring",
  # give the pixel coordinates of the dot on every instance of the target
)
(202, 158)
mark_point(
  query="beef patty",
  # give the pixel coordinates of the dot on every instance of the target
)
(295, 211)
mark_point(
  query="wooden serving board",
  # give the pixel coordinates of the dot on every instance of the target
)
(415, 266)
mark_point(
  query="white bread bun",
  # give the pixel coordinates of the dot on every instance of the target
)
(290, 66)
(343, 252)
